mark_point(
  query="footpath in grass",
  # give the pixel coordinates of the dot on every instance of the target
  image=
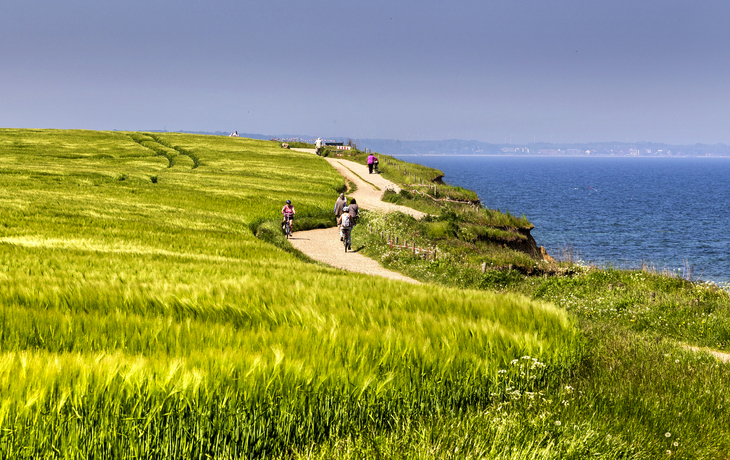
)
(142, 317)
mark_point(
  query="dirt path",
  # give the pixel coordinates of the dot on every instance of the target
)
(370, 187)
(324, 245)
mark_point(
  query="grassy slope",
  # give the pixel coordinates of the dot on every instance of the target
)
(141, 317)
(639, 392)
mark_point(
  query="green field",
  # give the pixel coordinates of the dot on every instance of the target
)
(141, 317)
(640, 391)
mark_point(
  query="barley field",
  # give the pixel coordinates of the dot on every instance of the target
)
(141, 318)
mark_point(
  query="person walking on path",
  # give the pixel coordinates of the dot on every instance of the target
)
(318, 146)
(371, 162)
(354, 212)
(340, 204)
(340, 207)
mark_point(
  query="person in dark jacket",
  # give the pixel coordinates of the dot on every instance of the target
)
(354, 211)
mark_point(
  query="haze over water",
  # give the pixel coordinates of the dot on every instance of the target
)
(620, 211)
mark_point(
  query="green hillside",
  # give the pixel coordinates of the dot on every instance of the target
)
(141, 318)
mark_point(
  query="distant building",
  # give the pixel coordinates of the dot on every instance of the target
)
(515, 150)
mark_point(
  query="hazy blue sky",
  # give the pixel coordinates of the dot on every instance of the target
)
(496, 71)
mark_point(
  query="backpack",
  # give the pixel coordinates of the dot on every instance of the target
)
(345, 223)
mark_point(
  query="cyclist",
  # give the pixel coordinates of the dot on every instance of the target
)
(288, 211)
(346, 224)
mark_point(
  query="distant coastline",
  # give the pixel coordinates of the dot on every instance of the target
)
(396, 147)
(549, 156)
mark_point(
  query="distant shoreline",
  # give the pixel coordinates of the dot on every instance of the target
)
(552, 156)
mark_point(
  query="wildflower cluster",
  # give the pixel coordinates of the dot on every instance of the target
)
(522, 375)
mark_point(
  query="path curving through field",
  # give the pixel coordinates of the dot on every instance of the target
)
(324, 245)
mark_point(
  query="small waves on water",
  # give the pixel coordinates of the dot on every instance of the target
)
(671, 213)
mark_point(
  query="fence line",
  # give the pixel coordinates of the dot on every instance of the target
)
(394, 243)
(419, 192)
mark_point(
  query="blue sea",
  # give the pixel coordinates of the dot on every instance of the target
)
(673, 213)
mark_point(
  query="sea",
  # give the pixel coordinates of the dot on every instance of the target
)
(671, 214)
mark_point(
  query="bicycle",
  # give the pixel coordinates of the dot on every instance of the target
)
(287, 226)
(347, 238)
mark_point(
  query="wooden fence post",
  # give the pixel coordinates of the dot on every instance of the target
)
(484, 267)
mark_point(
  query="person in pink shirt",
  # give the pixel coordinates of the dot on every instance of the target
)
(371, 161)
(288, 212)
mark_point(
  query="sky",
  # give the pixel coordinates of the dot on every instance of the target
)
(501, 71)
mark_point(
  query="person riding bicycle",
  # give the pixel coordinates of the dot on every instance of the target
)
(288, 211)
(345, 223)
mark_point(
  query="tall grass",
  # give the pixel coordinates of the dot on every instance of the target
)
(632, 397)
(145, 320)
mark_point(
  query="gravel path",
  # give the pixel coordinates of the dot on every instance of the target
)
(370, 187)
(324, 245)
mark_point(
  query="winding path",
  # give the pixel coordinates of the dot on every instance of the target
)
(324, 245)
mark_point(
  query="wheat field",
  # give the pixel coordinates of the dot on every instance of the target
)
(141, 318)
